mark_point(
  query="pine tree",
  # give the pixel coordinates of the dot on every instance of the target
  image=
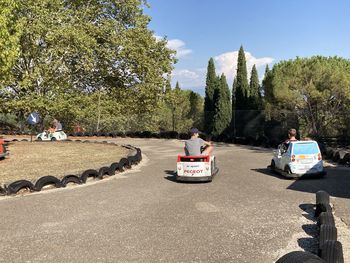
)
(222, 100)
(211, 84)
(254, 90)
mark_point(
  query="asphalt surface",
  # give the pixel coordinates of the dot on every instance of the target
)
(246, 214)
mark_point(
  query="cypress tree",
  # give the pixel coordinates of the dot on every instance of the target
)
(242, 93)
(233, 120)
(211, 83)
(177, 87)
(254, 90)
(242, 87)
(222, 115)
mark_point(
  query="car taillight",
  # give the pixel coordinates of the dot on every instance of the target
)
(319, 157)
(293, 158)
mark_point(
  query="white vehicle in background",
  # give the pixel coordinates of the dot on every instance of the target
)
(300, 159)
(52, 136)
(196, 168)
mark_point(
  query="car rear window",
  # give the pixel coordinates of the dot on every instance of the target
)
(305, 148)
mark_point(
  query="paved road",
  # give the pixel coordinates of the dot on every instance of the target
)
(245, 215)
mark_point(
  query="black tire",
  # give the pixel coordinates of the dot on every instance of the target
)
(103, 171)
(287, 169)
(47, 180)
(14, 187)
(113, 168)
(24, 140)
(70, 179)
(53, 139)
(332, 252)
(300, 257)
(327, 232)
(133, 159)
(273, 165)
(124, 163)
(326, 218)
(322, 197)
(39, 139)
(88, 173)
(3, 191)
(336, 156)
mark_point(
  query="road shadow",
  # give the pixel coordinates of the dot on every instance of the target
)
(336, 183)
(267, 171)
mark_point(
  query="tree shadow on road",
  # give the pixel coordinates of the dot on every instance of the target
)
(309, 244)
(336, 183)
(267, 171)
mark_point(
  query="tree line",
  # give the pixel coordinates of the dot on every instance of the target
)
(310, 94)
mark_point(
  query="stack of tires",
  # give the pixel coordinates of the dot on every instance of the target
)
(330, 250)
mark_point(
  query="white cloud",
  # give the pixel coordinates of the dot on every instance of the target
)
(227, 63)
(178, 45)
(188, 78)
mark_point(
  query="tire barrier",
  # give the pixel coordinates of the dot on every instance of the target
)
(300, 257)
(70, 179)
(14, 187)
(332, 252)
(122, 165)
(103, 171)
(47, 180)
(88, 173)
(329, 250)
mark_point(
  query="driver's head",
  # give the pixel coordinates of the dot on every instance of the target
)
(194, 132)
(292, 133)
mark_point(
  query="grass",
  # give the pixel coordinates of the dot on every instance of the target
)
(31, 161)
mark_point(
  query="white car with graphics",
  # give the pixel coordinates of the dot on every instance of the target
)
(196, 168)
(301, 158)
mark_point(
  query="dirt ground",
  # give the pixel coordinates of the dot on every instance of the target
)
(33, 160)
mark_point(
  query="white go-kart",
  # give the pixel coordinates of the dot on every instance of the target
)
(300, 159)
(196, 168)
(52, 136)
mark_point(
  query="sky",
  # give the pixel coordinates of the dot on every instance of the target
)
(268, 30)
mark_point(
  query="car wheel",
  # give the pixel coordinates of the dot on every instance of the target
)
(273, 165)
(287, 169)
(39, 139)
(53, 139)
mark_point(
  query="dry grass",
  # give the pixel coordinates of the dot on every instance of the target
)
(33, 160)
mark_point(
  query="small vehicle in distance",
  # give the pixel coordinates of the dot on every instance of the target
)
(52, 136)
(300, 159)
(196, 168)
(3, 151)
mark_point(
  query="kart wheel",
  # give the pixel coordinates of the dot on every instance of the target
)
(287, 169)
(273, 165)
(299, 257)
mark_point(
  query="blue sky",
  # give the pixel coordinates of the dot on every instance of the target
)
(269, 30)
